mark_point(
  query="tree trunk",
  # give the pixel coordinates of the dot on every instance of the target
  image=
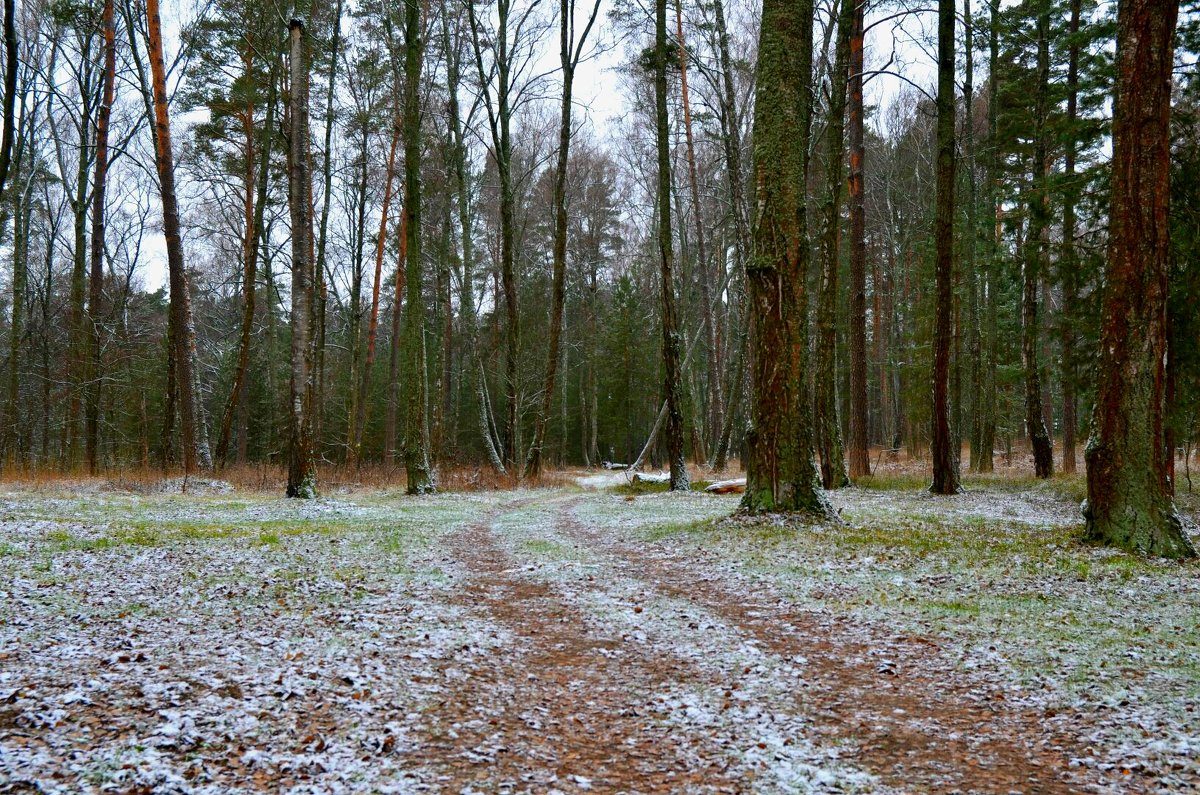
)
(195, 455)
(987, 408)
(499, 119)
(715, 395)
(569, 53)
(256, 199)
(1068, 265)
(323, 227)
(416, 429)
(1034, 265)
(970, 269)
(945, 461)
(860, 458)
(467, 299)
(13, 437)
(96, 277)
(780, 473)
(673, 385)
(359, 420)
(393, 401)
(1129, 504)
(827, 426)
(302, 471)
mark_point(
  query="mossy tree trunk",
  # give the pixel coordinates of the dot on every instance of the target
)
(780, 473)
(1129, 503)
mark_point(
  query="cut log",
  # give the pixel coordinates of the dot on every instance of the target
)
(735, 486)
(642, 477)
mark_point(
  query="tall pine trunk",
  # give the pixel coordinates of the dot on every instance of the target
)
(987, 407)
(474, 361)
(828, 427)
(860, 458)
(359, 417)
(945, 458)
(183, 337)
(1129, 503)
(1068, 265)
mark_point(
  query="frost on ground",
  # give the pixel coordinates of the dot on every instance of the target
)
(564, 641)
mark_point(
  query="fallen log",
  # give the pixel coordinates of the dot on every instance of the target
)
(735, 486)
(611, 465)
(642, 477)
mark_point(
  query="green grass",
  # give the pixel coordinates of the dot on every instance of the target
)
(1071, 488)
(630, 488)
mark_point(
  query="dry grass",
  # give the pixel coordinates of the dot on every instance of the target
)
(270, 478)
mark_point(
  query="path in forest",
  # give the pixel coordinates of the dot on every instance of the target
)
(637, 669)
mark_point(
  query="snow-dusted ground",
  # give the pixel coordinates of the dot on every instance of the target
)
(541, 641)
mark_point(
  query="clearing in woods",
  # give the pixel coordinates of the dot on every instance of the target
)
(586, 638)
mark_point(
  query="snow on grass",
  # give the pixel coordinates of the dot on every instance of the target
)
(1001, 580)
(226, 644)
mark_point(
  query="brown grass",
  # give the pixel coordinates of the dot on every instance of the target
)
(271, 478)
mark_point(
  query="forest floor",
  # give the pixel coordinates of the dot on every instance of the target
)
(586, 638)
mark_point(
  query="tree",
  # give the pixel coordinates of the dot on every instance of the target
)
(860, 459)
(467, 283)
(945, 458)
(506, 49)
(1129, 504)
(673, 386)
(570, 51)
(96, 277)
(195, 451)
(416, 429)
(780, 473)
(1036, 250)
(302, 470)
(1069, 263)
(828, 429)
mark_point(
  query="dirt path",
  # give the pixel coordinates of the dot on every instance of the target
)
(617, 638)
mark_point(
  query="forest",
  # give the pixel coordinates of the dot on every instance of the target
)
(599, 395)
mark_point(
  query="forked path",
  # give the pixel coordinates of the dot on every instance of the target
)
(635, 668)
